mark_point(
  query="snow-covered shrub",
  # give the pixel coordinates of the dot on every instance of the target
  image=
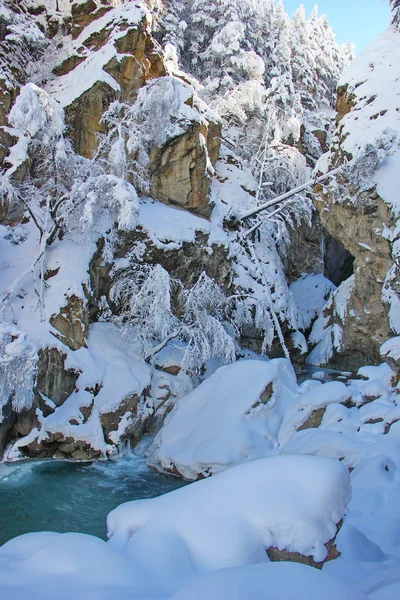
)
(18, 359)
(22, 43)
(156, 309)
(160, 113)
(36, 120)
(145, 297)
(202, 328)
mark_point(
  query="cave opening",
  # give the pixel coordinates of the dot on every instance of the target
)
(338, 261)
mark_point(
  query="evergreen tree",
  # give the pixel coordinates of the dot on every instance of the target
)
(395, 4)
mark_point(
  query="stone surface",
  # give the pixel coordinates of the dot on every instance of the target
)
(127, 409)
(365, 326)
(72, 323)
(179, 172)
(53, 380)
(355, 217)
(274, 554)
(139, 59)
(314, 420)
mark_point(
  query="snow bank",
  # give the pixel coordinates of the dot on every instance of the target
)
(224, 420)
(167, 227)
(244, 411)
(287, 502)
(44, 566)
(280, 581)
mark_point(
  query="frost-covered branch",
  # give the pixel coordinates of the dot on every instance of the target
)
(289, 194)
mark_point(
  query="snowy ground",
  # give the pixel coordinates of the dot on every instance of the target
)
(209, 539)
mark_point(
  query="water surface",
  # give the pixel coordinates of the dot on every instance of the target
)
(62, 496)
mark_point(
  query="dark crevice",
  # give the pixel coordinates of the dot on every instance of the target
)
(338, 262)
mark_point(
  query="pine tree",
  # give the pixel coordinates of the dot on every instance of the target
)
(395, 5)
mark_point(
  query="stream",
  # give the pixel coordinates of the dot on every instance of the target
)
(62, 496)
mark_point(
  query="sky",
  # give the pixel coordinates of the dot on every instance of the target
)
(358, 21)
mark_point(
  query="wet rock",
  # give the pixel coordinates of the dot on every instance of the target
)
(133, 426)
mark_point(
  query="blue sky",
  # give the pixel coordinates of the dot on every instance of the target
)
(358, 21)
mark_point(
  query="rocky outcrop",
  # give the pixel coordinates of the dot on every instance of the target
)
(182, 139)
(108, 62)
(54, 384)
(179, 174)
(112, 61)
(277, 555)
(360, 209)
(72, 323)
(365, 326)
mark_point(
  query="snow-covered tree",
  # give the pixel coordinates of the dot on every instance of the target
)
(155, 309)
(395, 5)
(18, 359)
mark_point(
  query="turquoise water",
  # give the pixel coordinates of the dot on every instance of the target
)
(50, 495)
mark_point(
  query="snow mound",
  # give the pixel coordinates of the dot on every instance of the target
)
(71, 565)
(222, 421)
(287, 502)
(244, 411)
(279, 581)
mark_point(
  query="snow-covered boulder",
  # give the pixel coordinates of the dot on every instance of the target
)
(291, 503)
(224, 420)
(244, 411)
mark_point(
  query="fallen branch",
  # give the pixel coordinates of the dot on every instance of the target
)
(282, 197)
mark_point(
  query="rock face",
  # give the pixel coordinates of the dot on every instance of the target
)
(181, 155)
(107, 62)
(360, 210)
(365, 323)
(112, 58)
(72, 323)
(179, 172)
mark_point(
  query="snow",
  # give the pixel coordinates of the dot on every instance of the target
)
(326, 333)
(311, 293)
(278, 581)
(391, 348)
(71, 565)
(34, 112)
(67, 88)
(167, 227)
(288, 502)
(174, 543)
(223, 421)
(373, 81)
(97, 365)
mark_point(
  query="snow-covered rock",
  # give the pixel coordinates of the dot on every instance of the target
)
(361, 207)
